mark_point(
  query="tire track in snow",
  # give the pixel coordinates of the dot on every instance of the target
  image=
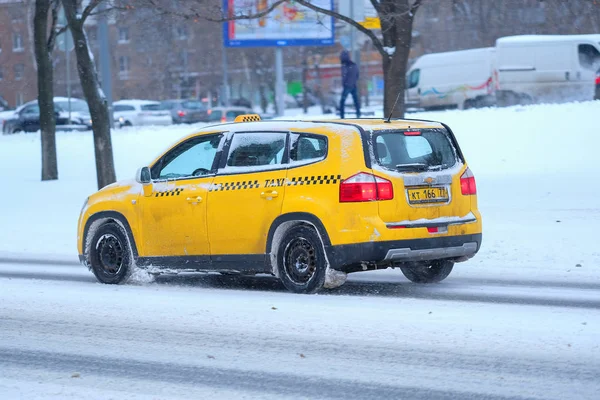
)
(224, 378)
(460, 289)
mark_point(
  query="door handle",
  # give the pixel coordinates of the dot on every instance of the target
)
(197, 199)
(269, 194)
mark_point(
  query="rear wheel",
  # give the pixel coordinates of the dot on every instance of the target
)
(110, 254)
(434, 271)
(301, 261)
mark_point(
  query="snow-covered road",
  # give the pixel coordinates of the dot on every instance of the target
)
(65, 336)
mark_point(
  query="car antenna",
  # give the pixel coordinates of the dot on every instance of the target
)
(393, 108)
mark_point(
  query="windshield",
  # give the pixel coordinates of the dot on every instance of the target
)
(153, 107)
(414, 150)
(193, 105)
(79, 106)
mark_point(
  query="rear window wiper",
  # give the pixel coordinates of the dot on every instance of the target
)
(412, 167)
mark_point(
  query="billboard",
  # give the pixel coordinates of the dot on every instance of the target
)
(287, 25)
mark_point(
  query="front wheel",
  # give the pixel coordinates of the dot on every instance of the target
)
(110, 254)
(434, 271)
(301, 261)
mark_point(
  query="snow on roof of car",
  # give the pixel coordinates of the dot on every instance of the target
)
(59, 98)
(366, 124)
(133, 102)
(547, 38)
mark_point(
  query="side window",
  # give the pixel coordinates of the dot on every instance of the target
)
(382, 151)
(122, 107)
(31, 110)
(413, 78)
(192, 158)
(589, 57)
(256, 149)
(231, 115)
(215, 115)
(308, 147)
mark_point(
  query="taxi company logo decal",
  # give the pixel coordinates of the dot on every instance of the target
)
(295, 181)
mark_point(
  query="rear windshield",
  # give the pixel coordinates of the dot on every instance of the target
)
(193, 105)
(153, 107)
(415, 150)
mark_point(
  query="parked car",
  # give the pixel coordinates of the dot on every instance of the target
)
(597, 94)
(224, 114)
(140, 112)
(27, 119)
(306, 202)
(184, 111)
(80, 112)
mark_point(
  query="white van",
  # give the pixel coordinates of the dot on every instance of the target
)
(460, 79)
(519, 70)
(546, 68)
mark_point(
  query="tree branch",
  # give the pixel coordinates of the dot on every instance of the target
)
(376, 6)
(88, 10)
(247, 16)
(376, 42)
(415, 6)
(53, 32)
(195, 15)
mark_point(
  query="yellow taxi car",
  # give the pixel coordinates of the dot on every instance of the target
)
(305, 201)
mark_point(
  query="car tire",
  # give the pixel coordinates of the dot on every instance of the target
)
(301, 260)
(109, 255)
(127, 123)
(435, 271)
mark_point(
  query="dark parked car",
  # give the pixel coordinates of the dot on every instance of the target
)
(597, 95)
(27, 119)
(224, 114)
(185, 111)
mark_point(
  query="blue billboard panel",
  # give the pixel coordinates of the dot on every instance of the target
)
(287, 25)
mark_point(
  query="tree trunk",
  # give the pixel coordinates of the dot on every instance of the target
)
(105, 168)
(394, 67)
(45, 90)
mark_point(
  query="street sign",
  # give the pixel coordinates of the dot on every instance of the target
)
(64, 41)
(371, 23)
(288, 24)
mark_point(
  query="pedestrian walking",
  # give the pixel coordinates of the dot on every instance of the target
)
(349, 82)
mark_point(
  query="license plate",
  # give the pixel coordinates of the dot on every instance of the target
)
(428, 195)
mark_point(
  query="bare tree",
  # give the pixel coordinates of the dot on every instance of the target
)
(396, 18)
(44, 39)
(105, 168)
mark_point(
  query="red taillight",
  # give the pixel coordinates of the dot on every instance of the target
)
(467, 183)
(365, 187)
(432, 229)
(598, 80)
(223, 119)
(181, 113)
(412, 133)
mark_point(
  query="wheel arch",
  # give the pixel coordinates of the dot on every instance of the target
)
(101, 218)
(282, 224)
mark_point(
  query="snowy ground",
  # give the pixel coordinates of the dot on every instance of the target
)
(520, 320)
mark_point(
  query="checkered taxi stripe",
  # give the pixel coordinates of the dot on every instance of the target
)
(314, 180)
(219, 187)
(172, 192)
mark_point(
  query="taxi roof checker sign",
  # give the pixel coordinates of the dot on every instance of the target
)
(307, 202)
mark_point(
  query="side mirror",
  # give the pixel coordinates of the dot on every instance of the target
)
(143, 176)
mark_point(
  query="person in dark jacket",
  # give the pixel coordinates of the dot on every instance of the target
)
(350, 82)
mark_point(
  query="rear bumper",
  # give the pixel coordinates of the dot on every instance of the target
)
(459, 248)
